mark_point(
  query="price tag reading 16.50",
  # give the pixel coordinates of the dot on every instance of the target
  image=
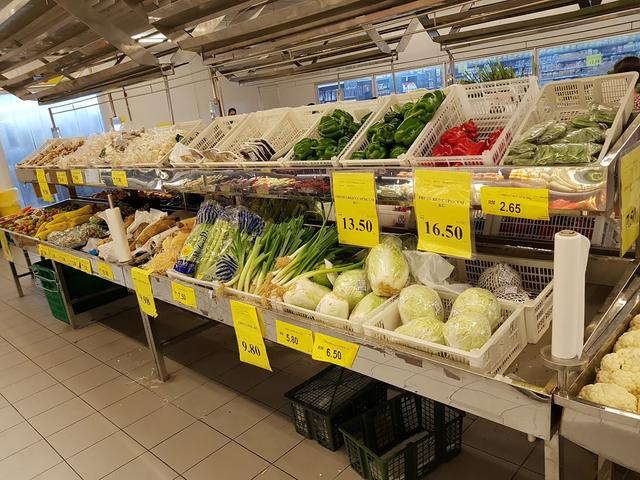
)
(441, 201)
(354, 195)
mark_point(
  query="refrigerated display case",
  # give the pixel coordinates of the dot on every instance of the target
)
(585, 59)
(384, 85)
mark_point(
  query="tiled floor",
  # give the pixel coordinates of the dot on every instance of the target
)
(84, 404)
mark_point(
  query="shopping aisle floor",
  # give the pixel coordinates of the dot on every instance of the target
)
(83, 404)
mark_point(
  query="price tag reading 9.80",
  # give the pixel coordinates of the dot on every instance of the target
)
(250, 348)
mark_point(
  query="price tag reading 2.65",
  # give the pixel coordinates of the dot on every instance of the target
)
(442, 202)
(529, 203)
(354, 195)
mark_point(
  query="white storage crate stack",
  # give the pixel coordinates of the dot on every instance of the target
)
(491, 105)
(209, 137)
(360, 141)
(189, 131)
(357, 109)
(494, 357)
(565, 99)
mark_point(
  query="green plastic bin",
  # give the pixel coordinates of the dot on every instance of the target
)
(323, 402)
(403, 439)
(79, 284)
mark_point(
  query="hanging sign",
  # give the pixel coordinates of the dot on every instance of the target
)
(249, 335)
(45, 191)
(354, 196)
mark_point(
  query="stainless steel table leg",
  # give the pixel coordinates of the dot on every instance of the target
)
(605, 469)
(66, 298)
(155, 346)
(16, 279)
(28, 260)
(553, 458)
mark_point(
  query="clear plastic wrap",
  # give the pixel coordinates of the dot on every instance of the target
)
(426, 328)
(478, 301)
(193, 246)
(416, 301)
(352, 286)
(333, 305)
(77, 237)
(305, 294)
(467, 330)
(387, 268)
(365, 306)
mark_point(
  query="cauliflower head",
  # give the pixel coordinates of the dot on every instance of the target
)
(627, 359)
(628, 340)
(609, 395)
(635, 323)
(630, 381)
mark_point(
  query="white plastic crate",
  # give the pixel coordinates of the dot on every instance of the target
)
(360, 141)
(51, 143)
(565, 99)
(356, 109)
(209, 137)
(537, 280)
(592, 227)
(190, 131)
(493, 358)
(491, 105)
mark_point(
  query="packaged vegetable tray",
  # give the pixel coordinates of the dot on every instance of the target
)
(477, 125)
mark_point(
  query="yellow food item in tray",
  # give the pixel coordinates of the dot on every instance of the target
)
(65, 220)
(171, 246)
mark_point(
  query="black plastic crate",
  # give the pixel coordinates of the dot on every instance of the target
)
(325, 401)
(403, 439)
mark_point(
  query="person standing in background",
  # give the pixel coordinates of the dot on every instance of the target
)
(231, 111)
(630, 64)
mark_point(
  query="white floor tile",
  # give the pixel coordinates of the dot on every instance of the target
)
(27, 387)
(62, 471)
(159, 425)
(205, 399)
(237, 416)
(56, 357)
(61, 416)
(92, 378)
(111, 392)
(44, 400)
(81, 435)
(9, 417)
(73, 367)
(132, 408)
(144, 467)
(230, 462)
(16, 438)
(29, 462)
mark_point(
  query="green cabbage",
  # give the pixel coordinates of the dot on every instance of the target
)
(387, 269)
(306, 294)
(467, 330)
(365, 306)
(478, 300)
(419, 301)
(333, 305)
(352, 286)
(425, 328)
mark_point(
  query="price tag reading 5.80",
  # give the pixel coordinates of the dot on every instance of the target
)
(354, 195)
(295, 337)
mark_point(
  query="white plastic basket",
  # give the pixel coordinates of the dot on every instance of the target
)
(356, 109)
(209, 137)
(592, 227)
(537, 280)
(190, 131)
(360, 141)
(491, 105)
(565, 99)
(493, 358)
(49, 147)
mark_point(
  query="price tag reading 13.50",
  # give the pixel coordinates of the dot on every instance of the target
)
(354, 195)
(441, 201)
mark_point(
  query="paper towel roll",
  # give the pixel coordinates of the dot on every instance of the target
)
(118, 235)
(571, 252)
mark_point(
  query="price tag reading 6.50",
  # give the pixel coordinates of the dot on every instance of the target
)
(354, 195)
(334, 350)
(442, 202)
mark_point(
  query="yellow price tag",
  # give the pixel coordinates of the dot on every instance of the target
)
(144, 292)
(45, 191)
(62, 178)
(354, 195)
(334, 350)
(119, 178)
(5, 247)
(295, 337)
(530, 203)
(163, 124)
(77, 177)
(593, 60)
(105, 270)
(183, 294)
(43, 251)
(442, 201)
(249, 331)
(629, 199)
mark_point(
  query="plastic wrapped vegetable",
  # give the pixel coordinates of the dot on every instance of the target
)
(418, 301)
(480, 301)
(584, 135)
(365, 306)
(425, 328)
(192, 248)
(498, 276)
(352, 286)
(387, 269)
(533, 134)
(467, 330)
(554, 131)
(305, 294)
(602, 113)
(333, 305)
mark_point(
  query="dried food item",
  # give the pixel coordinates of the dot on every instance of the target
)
(77, 237)
(153, 229)
(51, 153)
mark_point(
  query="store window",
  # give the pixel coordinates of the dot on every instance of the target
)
(521, 62)
(428, 77)
(585, 59)
(384, 85)
(356, 89)
(24, 126)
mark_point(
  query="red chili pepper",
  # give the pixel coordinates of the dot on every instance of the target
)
(441, 150)
(470, 128)
(493, 137)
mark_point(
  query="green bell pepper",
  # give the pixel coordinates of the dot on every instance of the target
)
(397, 151)
(323, 144)
(406, 109)
(440, 96)
(373, 129)
(423, 110)
(330, 127)
(342, 116)
(395, 123)
(376, 150)
(329, 153)
(359, 155)
(365, 118)
(305, 148)
(353, 128)
(392, 115)
(384, 135)
(408, 131)
(342, 142)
